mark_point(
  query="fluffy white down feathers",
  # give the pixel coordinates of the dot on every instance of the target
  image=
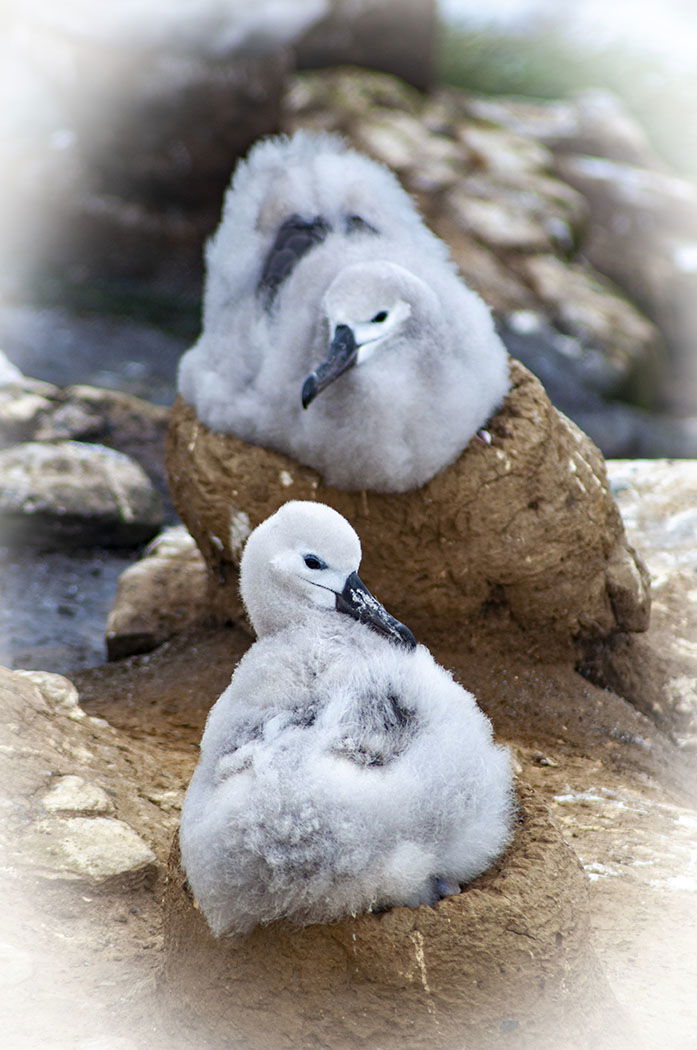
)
(321, 257)
(342, 770)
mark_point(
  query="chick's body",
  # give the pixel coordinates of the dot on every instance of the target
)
(339, 772)
(319, 243)
(342, 782)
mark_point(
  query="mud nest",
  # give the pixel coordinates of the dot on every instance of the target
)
(521, 534)
(509, 958)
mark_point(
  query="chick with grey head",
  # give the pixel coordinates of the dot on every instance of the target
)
(336, 328)
(342, 770)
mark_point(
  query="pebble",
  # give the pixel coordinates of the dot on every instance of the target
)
(96, 850)
(73, 794)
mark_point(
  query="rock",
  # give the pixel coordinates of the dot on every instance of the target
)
(503, 152)
(536, 215)
(396, 138)
(73, 794)
(9, 373)
(483, 269)
(21, 413)
(658, 673)
(642, 232)
(642, 221)
(71, 810)
(496, 224)
(113, 418)
(74, 494)
(593, 122)
(511, 954)
(69, 422)
(31, 410)
(575, 376)
(352, 93)
(656, 200)
(519, 535)
(159, 596)
(58, 689)
(583, 306)
(98, 851)
(388, 35)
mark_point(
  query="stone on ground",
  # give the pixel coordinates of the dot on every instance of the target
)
(162, 594)
(75, 494)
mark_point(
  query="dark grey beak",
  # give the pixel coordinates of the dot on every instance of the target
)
(342, 355)
(358, 602)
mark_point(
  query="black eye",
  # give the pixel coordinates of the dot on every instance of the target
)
(313, 562)
(379, 318)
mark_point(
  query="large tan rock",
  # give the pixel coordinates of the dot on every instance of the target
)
(71, 494)
(658, 671)
(70, 812)
(507, 959)
(519, 535)
(162, 594)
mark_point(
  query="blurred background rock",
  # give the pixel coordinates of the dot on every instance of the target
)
(554, 151)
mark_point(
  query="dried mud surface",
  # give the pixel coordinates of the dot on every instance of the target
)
(519, 536)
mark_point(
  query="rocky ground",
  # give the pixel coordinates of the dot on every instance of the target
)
(59, 561)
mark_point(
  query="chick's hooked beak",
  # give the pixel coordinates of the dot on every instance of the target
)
(341, 357)
(358, 602)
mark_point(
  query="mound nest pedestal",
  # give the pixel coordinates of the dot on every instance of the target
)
(506, 961)
(521, 534)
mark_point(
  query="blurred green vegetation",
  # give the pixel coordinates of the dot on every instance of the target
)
(546, 63)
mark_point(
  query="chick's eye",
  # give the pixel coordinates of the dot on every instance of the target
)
(314, 562)
(379, 317)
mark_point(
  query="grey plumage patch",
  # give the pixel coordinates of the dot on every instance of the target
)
(296, 237)
(304, 716)
(237, 755)
(395, 715)
(379, 733)
(355, 224)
